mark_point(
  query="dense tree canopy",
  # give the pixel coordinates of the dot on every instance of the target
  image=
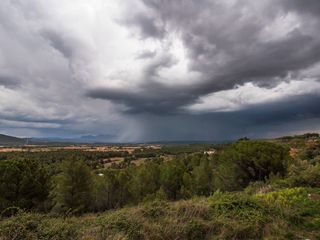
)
(77, 187)
(247, 161)
(24, 184)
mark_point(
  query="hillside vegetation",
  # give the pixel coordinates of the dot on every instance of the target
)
(281, 214)
(247, 190)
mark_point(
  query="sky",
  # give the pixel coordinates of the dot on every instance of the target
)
(151, 70)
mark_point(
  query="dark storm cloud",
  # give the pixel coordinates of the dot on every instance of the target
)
(58, 42)
(29, 119)
(290, 109)
(306, 6)
(9, 81)
(277, 118)
(149, 27)
(146, 54)
(153, 98)
(225, 44)
(152, 69)
(167, 58)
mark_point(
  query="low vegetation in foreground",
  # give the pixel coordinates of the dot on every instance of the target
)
(291, 213)
(245, 190)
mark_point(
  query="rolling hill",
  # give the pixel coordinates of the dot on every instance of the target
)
(9, 140)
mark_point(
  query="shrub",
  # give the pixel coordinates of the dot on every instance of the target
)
(294, 201)
(34, 226)
(119, 222)
(304, 174)
(247, 161)
(155, 209)
(241, 216)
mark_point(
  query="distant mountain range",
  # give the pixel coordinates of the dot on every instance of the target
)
(81, 139)
(6, 140)
(9, 140)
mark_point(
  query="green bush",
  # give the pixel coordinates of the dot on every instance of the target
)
(247, 161)
(33, 226)
(304, 174)
(294, 201)
(240, 215)
(155, 209)
(119, 222)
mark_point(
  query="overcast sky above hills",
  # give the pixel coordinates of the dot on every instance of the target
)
(159, 69)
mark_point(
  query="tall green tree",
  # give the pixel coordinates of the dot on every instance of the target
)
(171, 178)
(145, 181)
(73, 187)
(106, 190)
(24, 184)
(202, 178)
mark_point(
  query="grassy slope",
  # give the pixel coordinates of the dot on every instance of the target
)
(283, 214)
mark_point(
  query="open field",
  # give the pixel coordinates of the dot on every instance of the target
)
(104, 156)
(89, 148)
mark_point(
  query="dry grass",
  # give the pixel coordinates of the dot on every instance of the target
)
(222, 216)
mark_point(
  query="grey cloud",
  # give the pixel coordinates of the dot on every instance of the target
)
(149, 27)
(306, 6)
(163, 61)
(270, 61)
(294, 114)
(25, 119)
(58, 42)
(9, 81)
(224, 44)
(232, 39)
(146, 54)
(43, 88)
(153, 98)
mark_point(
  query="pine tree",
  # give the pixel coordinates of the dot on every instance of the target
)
(72, 188)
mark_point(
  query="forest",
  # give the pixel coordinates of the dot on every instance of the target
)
(245, 190)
